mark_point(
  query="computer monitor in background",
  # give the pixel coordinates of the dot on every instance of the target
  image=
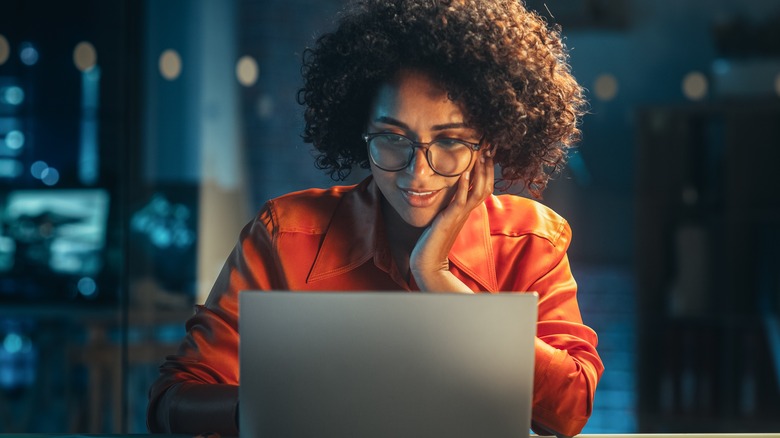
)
(52, 244)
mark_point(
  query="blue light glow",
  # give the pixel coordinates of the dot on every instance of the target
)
(579, 169)
(10, 168)
(12, 343)
(161, 237)
(28, 54)
(164, 224)
(721, 67)
(89, 159)
(12, 95)
(87, 287)
(37, 168)
(14, 140)
(50, 176)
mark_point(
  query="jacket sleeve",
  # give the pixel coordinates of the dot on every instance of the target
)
(568, 366)
(197, 389)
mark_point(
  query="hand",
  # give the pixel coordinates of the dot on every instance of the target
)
(428, 261)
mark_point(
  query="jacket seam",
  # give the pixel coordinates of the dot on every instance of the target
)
(550, 237)
(274, 226)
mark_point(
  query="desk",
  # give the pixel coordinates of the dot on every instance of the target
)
(683, 435)
(628, 435)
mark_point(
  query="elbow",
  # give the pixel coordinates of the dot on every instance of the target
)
(564, 392)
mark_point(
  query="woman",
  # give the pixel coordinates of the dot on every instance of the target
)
(430, 96)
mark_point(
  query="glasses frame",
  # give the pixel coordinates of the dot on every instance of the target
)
(413, 145)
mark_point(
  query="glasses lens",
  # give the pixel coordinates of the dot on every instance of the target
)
(449, 157)
(390, 152)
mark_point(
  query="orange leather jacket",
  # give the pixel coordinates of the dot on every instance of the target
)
(334, 240)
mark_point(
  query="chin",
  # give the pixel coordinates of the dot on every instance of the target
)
(418, 221)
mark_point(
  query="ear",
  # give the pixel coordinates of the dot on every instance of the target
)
(490, 152)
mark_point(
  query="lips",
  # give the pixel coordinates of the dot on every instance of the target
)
(421, 197)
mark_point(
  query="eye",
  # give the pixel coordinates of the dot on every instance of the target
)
(393, 139)
(450, 143)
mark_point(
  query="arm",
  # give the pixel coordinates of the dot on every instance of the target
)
(568, 366)
(530, 255)
(429, 261)
(197, 389)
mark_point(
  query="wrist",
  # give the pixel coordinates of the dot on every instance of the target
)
(440, 281)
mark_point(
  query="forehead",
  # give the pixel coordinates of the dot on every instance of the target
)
(414, 95)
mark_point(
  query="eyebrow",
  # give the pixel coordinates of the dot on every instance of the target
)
(391, 121)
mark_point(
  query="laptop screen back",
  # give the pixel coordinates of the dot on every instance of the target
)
(386, 364)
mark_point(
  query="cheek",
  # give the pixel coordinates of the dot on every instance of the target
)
(381, 177)
(385, 181)
(450, 191)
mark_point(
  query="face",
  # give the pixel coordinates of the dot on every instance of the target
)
(416, 107)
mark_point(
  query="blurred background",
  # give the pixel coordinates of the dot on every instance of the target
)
(137, 137)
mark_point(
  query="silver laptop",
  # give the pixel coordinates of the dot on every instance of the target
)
(391, 364)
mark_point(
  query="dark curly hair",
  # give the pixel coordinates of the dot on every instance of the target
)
(505, 67)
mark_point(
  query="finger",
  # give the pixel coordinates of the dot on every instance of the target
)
(464, 184)
(490, 175)
(483, 180)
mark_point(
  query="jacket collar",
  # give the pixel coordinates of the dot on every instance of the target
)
(354, 237)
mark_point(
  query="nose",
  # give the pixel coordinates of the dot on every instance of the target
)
(419, 165)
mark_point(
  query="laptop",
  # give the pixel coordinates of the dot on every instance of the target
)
(386, 364)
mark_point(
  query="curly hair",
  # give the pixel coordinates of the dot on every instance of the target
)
(501, 63)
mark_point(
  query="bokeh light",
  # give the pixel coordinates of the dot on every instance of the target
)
(265, 107)
(14, 140)
(28, 54)
(606, 87)
(695, 86)
(13, 343)
(170, 64)
(777, 84)
(37, 168)
(5, 49)
(12, 95)
(87, 287)
(247, 71)
(10, 168)
(84, 56)
(50, 176)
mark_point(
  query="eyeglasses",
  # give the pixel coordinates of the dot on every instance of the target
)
(394, 152)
